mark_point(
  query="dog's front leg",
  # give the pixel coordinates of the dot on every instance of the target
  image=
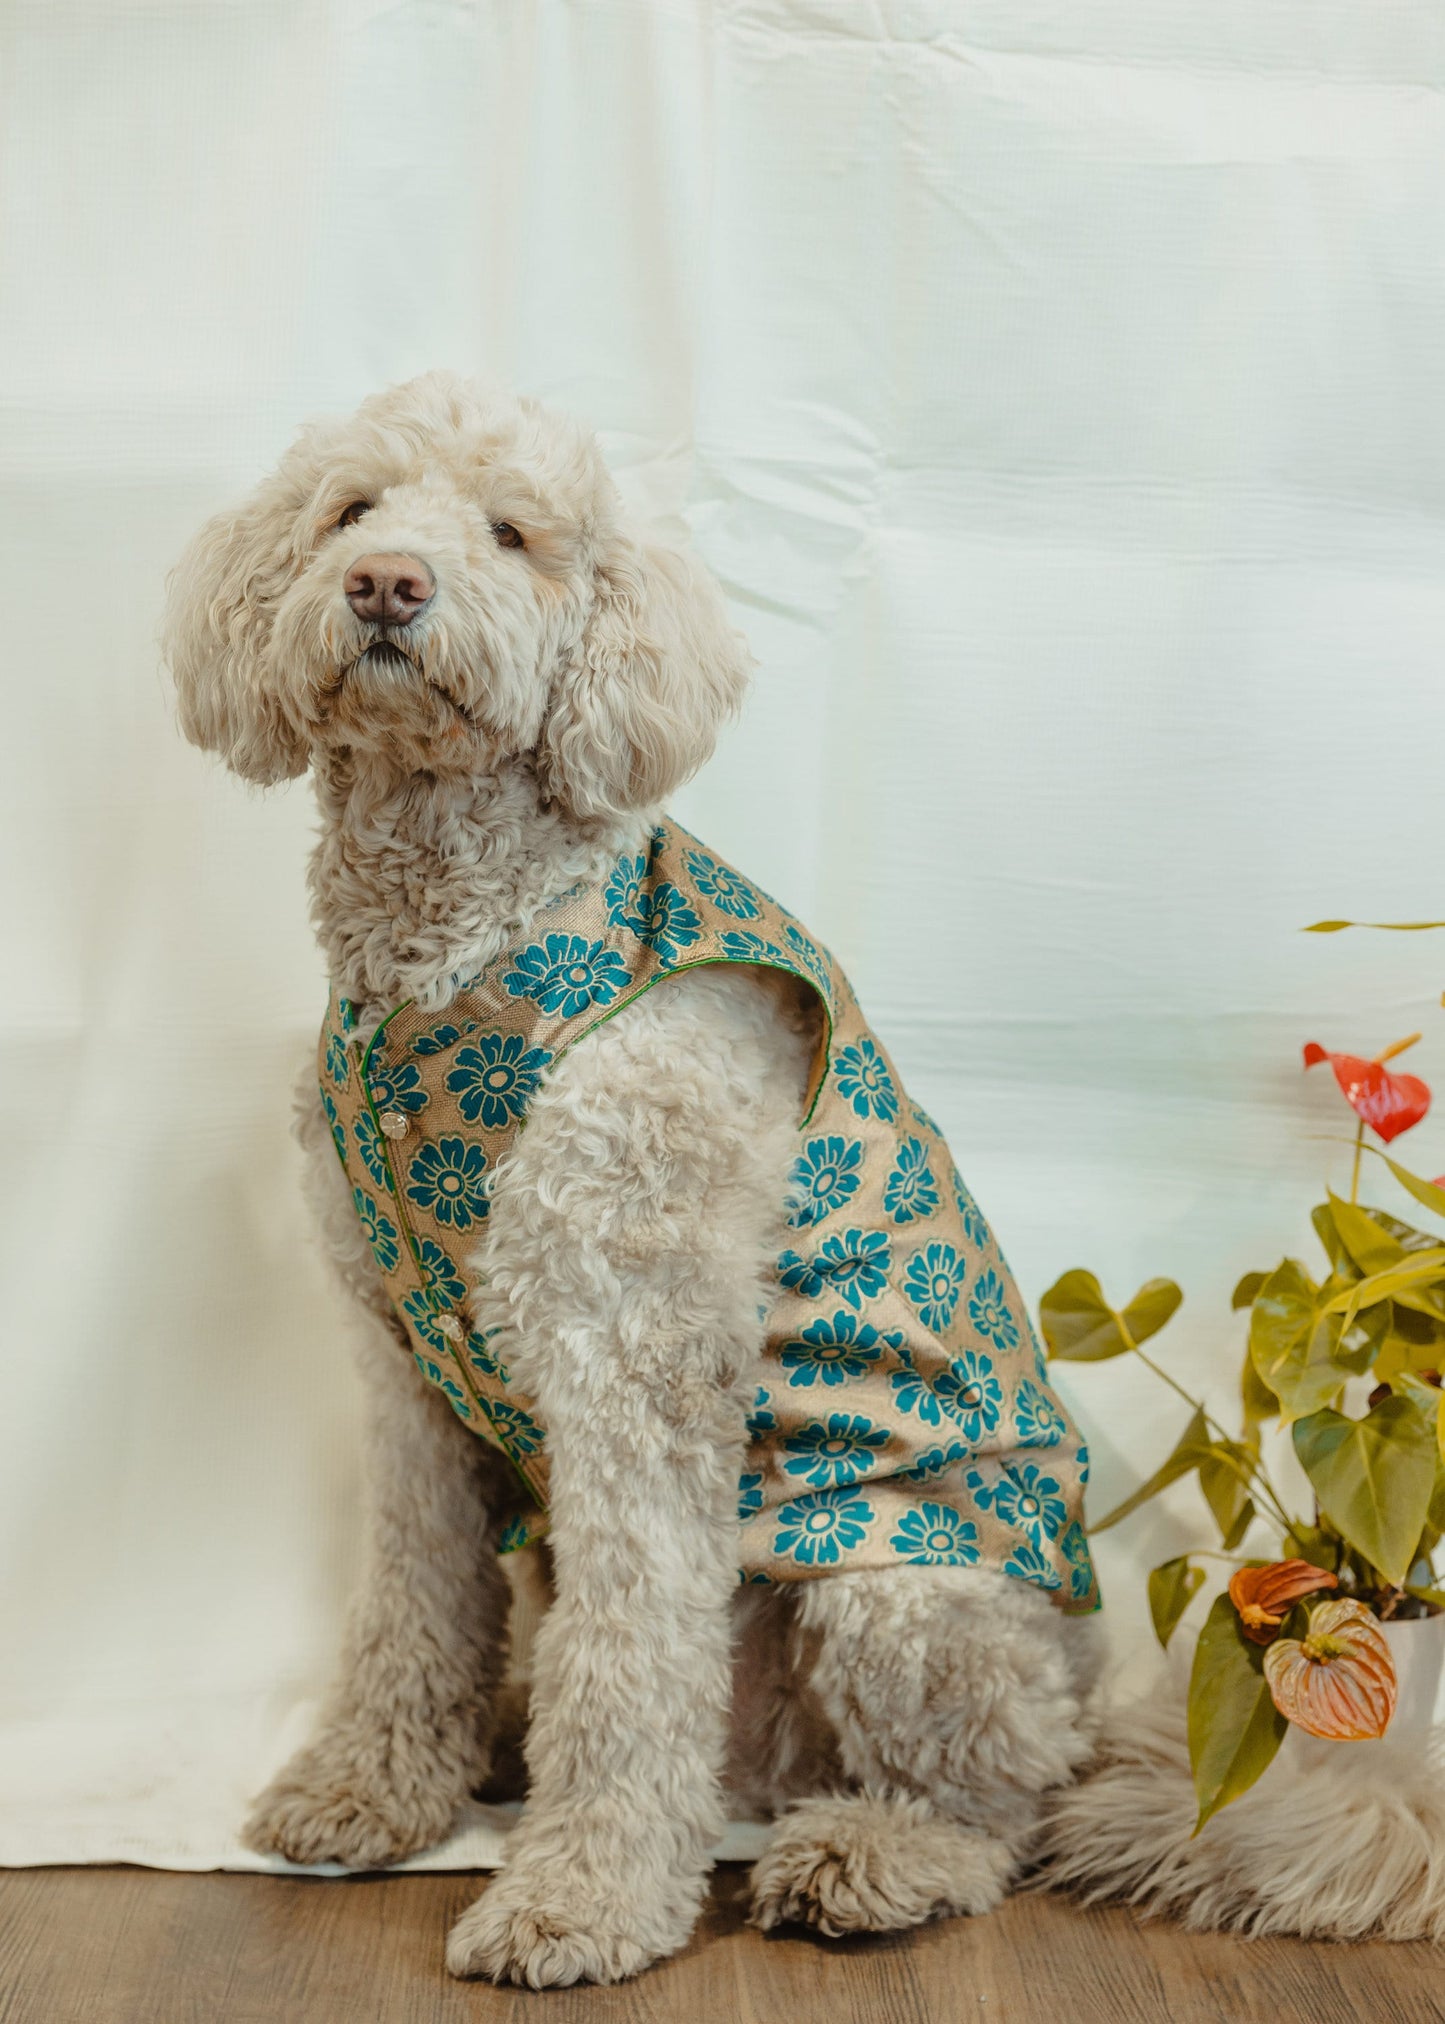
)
(628, 1235)
(404, 1733)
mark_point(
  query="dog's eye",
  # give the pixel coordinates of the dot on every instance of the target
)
(352, 513)
(507, 535)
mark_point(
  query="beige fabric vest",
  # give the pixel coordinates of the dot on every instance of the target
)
(902, 1409)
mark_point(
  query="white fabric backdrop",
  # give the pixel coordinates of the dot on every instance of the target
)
(1057, 387)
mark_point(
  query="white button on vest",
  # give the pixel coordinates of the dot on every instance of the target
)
(395, 1123)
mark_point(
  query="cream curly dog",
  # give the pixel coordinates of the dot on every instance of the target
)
(438, 608)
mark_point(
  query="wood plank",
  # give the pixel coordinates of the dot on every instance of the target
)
(124, 1946)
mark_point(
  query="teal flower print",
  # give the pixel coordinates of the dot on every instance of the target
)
(566, 974)
(750, 1496)
(429, 1370)
(831, 1352)
(922, 1119)
(1027, 1563)
(368, 1140)
(517, 1431)
(912, 1393)
(746, 948)
(852, 1265)
(804, 951)
(936, 1536)
(823, 1179)
(422, 1315)
(623, 890)
(839, 1449)
(460, 1403)
(762, 1419)
(1081, 1463)
(803, 1276)
(1021, 1496)
(665, 920)
(515, 1534)
(971, 1394)
(448, 1179)
(728, 890)
(480, 1357)
(975, 1223)
(863, 1079)
(398, 1088)
(1039, 1421)
(933, 1282)
(380, 1233)
(338, 1067)
(439, 1274)
(934, 1462)
(910, 1193)
(1075, 1548)
(440, 1039)
(817, 1530)
(346, 1013)
(338, 1129)
(988, 1310)
(494, 1080)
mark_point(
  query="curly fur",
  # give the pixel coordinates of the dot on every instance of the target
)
(1350, 1846)
(549, 699)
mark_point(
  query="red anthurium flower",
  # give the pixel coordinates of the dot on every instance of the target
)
(1388, 1103)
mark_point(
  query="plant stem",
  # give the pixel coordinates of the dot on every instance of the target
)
(1355, 1174)
(1254, 1478)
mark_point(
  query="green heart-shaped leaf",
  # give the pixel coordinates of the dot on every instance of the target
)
(1418, 1269)
(1246, 1289)
(1367, 1241)
(1303, 1351)
(1156, 1302)
(1373, 1477)
(1234, 1726)
(1080, 1326)
(1173, 1585)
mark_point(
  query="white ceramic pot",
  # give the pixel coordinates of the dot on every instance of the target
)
(1418, 1649)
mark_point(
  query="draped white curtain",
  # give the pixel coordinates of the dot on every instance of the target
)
(1057, 387)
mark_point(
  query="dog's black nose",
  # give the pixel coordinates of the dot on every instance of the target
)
(388, 589)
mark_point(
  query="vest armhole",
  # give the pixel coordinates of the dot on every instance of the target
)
(817, 1075)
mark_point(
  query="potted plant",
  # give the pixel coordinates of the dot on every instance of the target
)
(1340, 1633)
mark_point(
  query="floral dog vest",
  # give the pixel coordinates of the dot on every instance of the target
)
(902, 1409)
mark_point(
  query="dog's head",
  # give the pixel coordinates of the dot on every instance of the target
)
(446, 582)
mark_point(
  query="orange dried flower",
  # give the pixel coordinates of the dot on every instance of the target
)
(1338, 1682)
(1262, 1595)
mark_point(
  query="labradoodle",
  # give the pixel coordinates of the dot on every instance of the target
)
(437, 606)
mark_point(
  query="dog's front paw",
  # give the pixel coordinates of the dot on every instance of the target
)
(347, 1799)
(547, 1933)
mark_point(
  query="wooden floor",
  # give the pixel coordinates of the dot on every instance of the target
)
(128, 1946)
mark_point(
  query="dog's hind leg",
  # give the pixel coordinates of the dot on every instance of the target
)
(403, 1735)
(956, 1696)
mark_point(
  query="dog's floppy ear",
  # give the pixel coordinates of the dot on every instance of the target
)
(638, 709)
(220, 605)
